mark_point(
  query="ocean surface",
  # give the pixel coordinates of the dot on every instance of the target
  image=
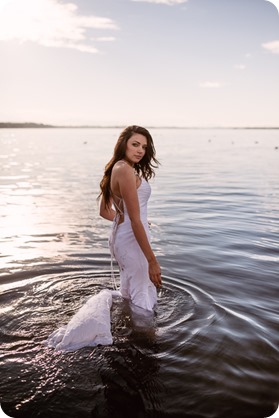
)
(214, 213)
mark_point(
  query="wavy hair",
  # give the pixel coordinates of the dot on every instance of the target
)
(145, 167)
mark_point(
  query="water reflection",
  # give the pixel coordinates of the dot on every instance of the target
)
(214, 215)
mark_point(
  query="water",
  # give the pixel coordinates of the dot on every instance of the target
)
(214, 352)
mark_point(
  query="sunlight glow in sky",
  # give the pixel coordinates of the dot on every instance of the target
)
(154, 62)
(49, 23)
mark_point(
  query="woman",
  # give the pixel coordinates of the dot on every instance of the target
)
(124, 195)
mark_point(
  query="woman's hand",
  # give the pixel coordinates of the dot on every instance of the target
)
(155, 273)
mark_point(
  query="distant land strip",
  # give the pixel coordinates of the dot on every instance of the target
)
(43, 125)
(24, 125)
(15, 125)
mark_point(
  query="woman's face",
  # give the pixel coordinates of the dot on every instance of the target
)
(135, 148)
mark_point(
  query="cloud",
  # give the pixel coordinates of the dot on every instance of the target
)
(167, 2)
(104, 39)
(49, 23)
(272, 46)
(211, 84)
(239, 67)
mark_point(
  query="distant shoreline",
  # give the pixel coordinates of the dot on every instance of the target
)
(24, 125)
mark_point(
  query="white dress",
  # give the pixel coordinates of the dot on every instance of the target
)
(135, 284)
(91, 325)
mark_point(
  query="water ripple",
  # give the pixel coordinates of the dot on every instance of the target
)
(192, 333)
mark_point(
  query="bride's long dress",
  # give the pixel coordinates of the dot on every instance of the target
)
(135, 283)
(90, 326)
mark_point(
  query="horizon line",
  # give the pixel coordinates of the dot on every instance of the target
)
(13, 125)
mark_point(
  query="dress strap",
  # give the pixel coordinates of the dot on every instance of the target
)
(111, 245)
(118, 206)
(114, 285)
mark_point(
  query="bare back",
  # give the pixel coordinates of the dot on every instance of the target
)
(117, 176)
(124, 184)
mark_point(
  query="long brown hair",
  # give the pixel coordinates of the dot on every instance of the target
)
(145, 167)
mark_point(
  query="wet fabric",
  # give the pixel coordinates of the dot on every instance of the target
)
(135, 284)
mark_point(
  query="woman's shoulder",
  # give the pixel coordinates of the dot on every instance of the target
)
(122, 167)
(122, 172)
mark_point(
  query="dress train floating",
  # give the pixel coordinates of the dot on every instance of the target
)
(89, 327)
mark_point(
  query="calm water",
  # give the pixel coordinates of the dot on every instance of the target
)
(214, 211)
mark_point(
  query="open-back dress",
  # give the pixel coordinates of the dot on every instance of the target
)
(91, 326)
(135, 284)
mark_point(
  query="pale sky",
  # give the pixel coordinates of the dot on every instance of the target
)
(202, 63)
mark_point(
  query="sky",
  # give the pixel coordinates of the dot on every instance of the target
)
(184, 63)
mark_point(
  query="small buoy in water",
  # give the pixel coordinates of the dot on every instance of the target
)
(276, 147)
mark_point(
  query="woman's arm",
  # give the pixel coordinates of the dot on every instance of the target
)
(106, 212)
(128, 191)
